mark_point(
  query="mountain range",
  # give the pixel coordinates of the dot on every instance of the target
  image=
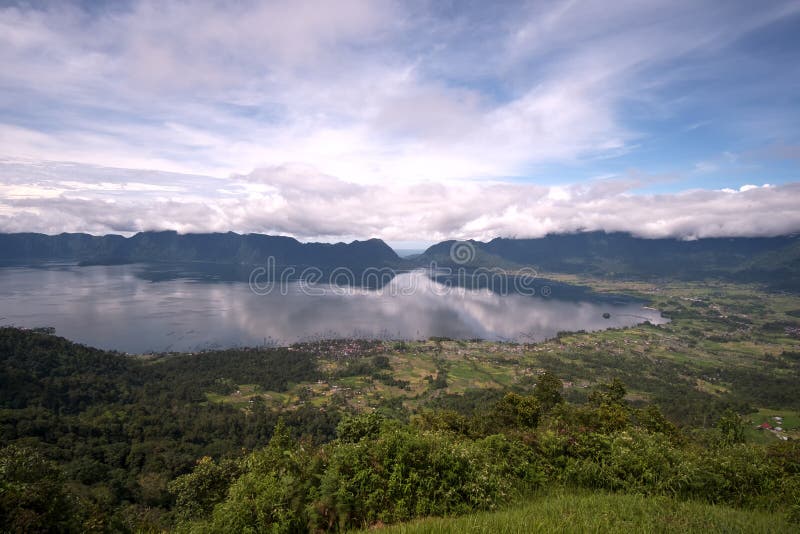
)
(170, 246)
(757, 259)
(774, 261)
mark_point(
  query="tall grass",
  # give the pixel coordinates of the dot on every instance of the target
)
(603, 512)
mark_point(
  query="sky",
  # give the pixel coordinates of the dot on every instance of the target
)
(411, 121)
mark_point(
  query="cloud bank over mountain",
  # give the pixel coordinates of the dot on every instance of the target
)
(309, 205)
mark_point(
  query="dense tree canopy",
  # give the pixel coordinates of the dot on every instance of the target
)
(98, 441)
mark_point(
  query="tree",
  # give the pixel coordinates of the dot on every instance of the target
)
(548, 391)
(653, 420)
(517, 411)
(197, 492)
(609, 392)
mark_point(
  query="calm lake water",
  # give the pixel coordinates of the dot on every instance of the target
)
(122, 308)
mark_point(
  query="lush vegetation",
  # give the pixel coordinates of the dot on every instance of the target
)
(603, 512)
(353, 434)
(121, 428)
(771, 261)
(380, 471)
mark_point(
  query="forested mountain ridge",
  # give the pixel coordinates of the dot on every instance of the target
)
(774, 260)
(771, 260)
(170, 246)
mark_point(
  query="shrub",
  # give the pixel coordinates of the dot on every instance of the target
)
(355, 428)
(197, 492)
(740, 474)
(516, 411)
(632, 461)
(407, 473)
(32, 494)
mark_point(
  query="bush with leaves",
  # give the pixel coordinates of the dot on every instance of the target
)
(354, 428)
(33, 497)
(197, 492)
(731, 428)
(631, 461)
(739, 475)
(270, 494)
(405, 473)
(650, 418)
(445, 420)
(516, 411)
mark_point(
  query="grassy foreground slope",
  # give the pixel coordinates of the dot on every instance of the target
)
(602, 512)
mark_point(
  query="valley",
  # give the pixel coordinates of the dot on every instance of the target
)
(134, 437)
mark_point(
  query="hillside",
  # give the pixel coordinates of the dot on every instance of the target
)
(231, 248)
(771, 260)
(349, 434)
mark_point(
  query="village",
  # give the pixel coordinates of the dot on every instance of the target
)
(682, 365)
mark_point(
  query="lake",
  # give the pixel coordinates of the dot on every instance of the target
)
(126, 308)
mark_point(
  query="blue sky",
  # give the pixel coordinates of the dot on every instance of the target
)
(211, 105)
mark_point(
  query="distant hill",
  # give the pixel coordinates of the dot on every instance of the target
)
(774, 260)
(171, 246)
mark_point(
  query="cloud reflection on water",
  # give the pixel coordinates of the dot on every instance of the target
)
(111, 307)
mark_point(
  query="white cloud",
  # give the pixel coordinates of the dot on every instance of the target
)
(369, 90)
(422, 112)
(310, 205)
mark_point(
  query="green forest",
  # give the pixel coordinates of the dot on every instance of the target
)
(699, 416)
